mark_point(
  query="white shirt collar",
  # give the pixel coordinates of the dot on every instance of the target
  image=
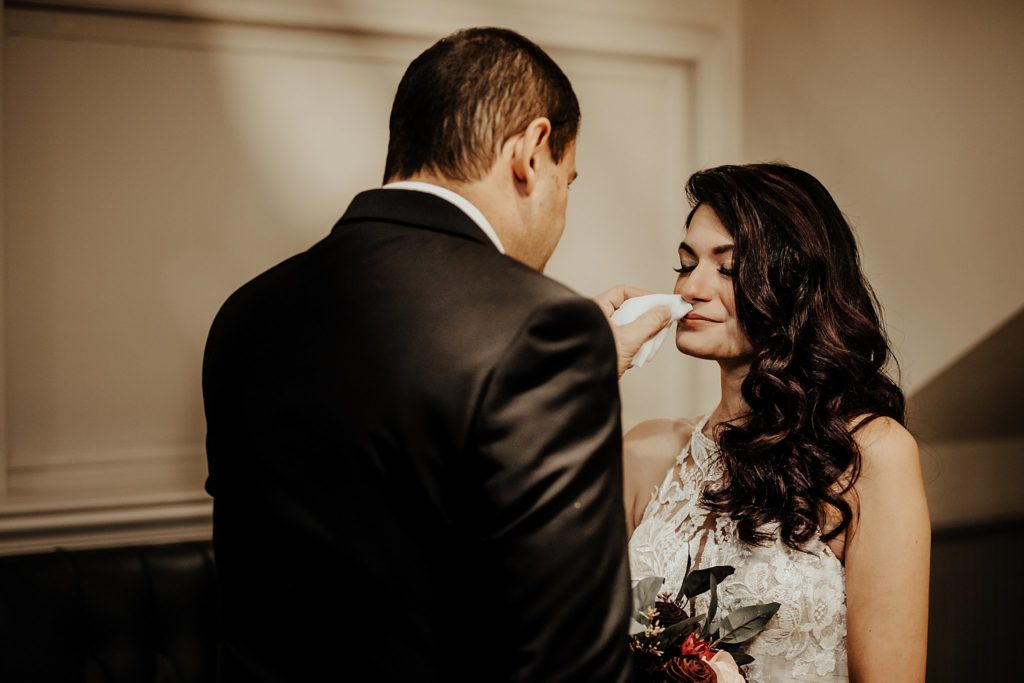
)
(454, 198)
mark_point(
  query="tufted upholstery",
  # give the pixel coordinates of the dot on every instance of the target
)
(137, 614)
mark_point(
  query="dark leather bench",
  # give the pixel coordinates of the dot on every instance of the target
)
(136, 614)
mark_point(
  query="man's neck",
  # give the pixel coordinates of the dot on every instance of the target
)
(479, 195)
(432, 178)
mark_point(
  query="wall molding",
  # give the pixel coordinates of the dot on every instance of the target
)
(159, 518)
(3, 297)
(650, 27)
(95, 498)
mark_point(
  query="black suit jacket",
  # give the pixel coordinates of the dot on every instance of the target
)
(415, 457)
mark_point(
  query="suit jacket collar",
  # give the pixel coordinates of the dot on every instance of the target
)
(412, 208)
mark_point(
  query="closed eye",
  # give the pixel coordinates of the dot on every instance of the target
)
(683, 270)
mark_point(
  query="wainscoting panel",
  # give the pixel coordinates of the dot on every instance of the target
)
(156, 156)
(977, 597)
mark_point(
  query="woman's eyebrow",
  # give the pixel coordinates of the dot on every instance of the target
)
(720, 249)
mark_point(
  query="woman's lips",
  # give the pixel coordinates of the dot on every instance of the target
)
(695, 318)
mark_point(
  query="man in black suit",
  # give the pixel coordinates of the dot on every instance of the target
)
(413, 436)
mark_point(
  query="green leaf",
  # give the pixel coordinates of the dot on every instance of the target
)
(635, 627)
(689, 563)
(741, 658)
(678, 631)
(645, 593)
(743, 624)
(713, 607)
(699, 581)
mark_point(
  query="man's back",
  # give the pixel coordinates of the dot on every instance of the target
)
(410, 434)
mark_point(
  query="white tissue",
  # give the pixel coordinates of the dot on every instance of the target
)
(631, 309)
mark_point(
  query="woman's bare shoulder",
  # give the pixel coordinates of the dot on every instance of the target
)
(887, 448)
(658, 440)
(890, 483)
(649, 451)
(889, 475)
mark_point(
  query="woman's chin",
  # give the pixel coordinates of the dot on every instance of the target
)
(694, 351)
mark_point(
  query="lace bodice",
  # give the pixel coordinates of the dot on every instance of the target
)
(806, 639)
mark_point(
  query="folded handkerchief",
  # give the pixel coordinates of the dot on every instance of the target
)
(631, 309)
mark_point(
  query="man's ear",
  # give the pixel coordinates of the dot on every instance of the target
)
(528, 149)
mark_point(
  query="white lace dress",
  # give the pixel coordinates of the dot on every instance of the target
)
(806, 639)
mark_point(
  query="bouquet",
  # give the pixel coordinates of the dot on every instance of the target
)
(671, 644)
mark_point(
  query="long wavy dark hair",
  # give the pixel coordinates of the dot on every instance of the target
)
(820, 354)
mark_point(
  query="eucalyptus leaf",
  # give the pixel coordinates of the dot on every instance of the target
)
(689, 563)
(699, 581)
(678, 631)
(741, 658)
(743, 624)
(645, 593)
(713, 607)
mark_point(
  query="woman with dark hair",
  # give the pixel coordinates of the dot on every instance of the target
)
(803, 477)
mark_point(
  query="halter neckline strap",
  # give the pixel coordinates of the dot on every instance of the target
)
(705, 449)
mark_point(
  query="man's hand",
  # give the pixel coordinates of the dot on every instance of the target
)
(629, 338)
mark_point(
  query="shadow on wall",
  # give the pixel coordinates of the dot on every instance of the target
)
(970, 429)
(974, 398)
(968, 420)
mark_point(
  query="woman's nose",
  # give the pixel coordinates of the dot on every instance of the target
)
(694, 286)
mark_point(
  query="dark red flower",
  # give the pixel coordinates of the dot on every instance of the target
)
(669, 612)
(695, 645)
(688, 669)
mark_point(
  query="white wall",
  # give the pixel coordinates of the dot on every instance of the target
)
(910, 113)
(151, 166)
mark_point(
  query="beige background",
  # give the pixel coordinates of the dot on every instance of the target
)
(910, 113)
(151, 165)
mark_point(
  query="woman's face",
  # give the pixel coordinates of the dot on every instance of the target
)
(711, 330)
